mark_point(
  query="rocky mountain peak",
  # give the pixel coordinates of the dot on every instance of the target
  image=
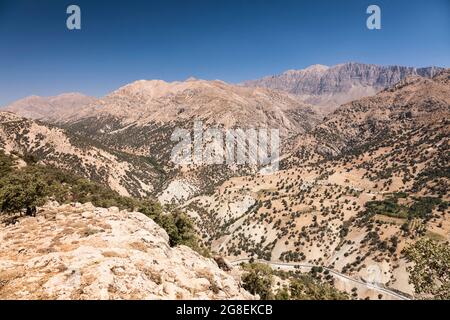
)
(339, 84)
(316, 68)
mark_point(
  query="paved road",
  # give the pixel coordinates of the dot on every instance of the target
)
(334, 272)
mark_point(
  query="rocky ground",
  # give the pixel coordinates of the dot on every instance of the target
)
(82, 252)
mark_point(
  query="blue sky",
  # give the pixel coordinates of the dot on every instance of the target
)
(122, 41)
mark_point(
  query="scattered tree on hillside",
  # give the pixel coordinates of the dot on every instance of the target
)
(430, 274)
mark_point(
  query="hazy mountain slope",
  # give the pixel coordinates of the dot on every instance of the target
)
(332, 86)
(49, 108)
(54, 146)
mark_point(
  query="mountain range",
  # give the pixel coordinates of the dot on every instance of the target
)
(363, 167)
(332, 86)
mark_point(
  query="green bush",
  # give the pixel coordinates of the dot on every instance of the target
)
(305, 287)
(387, 207)
(430, 273)
(282, 294)
(21, 192)
(258, 279)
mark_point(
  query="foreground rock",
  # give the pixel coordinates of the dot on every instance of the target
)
(82, 252)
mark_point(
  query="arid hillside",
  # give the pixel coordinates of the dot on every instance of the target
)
(368, 181)
(50, 145)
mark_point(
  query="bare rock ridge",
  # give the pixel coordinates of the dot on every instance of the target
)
(50, 108)
(82, 252)
(123, 139)
(214, 102)
(139, 117)
(341, 83)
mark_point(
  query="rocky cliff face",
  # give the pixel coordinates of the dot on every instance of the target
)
(81, 252)
(339, 84)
